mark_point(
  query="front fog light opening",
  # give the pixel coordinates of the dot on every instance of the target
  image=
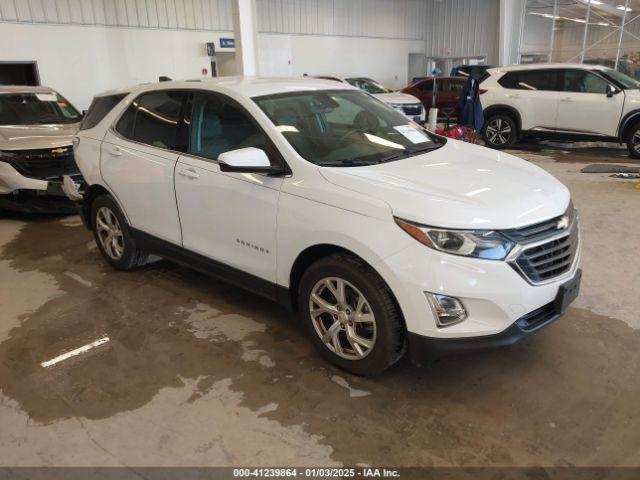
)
(447, 310)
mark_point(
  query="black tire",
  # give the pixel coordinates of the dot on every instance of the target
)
(633, 140)
(390, 335)
(499, 131)
(131, 257)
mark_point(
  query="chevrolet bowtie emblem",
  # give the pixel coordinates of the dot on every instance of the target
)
(563, 223)
(59, 150)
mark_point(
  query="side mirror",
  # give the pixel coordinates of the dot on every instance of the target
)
(611, 91)
(247, 160)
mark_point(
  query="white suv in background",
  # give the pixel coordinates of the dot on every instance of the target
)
(561, 101)
(316, 195)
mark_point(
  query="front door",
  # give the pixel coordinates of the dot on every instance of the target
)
(138, 159)
(585, 106)
(228, 217)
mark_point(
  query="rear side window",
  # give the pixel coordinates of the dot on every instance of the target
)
(99, 109)
(153, 119)
(544, 80)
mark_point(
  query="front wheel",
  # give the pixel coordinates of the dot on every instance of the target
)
(499, 131)
(633, 141)
(350, 315)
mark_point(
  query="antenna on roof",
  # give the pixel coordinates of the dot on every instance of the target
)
(163, 78)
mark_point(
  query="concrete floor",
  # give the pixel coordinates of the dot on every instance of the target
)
(200, 373)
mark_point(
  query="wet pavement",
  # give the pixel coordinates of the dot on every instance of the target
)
(197, 372)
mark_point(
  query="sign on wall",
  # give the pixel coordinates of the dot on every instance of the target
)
(227, 43)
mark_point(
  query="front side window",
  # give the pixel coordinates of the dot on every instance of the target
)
(344, 128)
(36, 108)
(583, 81)
(366, 84)
(426, 86)
(153, 118)
(456, 86)
(218, 126)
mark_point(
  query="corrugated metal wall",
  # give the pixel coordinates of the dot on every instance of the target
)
(450, 28)
(398, 19)
(459, 28)
(171, 14)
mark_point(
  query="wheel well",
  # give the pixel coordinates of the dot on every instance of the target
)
(90, 195)
(504, 110)
(313, 254)
(304, 260)
(628, 123)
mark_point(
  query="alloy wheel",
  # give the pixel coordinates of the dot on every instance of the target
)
(342, 318)
(110, 233)
(635, 141)
(499, 131)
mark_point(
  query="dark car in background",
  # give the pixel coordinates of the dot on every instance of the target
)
(448, 91)
(37, 126)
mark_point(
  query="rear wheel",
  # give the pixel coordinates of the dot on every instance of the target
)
(633, 141)
(113, 236)
(499, 131)
(350, 315)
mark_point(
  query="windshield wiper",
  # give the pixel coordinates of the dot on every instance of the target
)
(347, 163)
(408, 153)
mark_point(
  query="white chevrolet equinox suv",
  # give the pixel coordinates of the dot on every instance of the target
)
(319, 196)
(572, 102)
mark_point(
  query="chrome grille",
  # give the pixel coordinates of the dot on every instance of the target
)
(415, 109)
(544, 251)
(541, 230)
(45, 164)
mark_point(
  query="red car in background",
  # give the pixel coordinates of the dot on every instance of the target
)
(448, 92)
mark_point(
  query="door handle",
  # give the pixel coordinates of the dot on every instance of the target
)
(566, 99)
(514, 95)
(116, 151)
(188, 172)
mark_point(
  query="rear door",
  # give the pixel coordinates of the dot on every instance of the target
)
(86, 147)
(449, 90)
(585, 107)
(534, 94)
(424, 91)
(138, 161)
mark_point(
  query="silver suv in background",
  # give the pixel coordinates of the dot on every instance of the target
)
(37, 125)
(408, 105)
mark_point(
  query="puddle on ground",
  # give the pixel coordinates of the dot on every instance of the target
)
(190, 357)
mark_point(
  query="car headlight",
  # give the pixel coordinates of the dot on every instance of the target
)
(396, 106)
(486, 244)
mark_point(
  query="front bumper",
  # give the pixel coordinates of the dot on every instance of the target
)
(494, 294)
(423, 349)
(19, 193)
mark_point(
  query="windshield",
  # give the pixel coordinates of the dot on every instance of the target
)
(625, 81)
(34, 108)
(344, 128)
(366, 84)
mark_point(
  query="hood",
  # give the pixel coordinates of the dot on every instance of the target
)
(28, 137)
(396, 97)
(459, 185)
